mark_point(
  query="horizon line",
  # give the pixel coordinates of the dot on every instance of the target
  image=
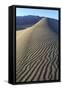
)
(39, 16)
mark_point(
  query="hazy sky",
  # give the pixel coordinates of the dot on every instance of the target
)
(37, 12)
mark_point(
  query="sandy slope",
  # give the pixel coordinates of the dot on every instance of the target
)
(37, 53)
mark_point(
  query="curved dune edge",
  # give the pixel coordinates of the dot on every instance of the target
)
(37, 53)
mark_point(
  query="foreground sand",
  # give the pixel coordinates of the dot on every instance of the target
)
(37, 53)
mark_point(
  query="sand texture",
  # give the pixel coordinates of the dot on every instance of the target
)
(37, 53)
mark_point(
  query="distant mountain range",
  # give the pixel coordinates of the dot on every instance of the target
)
(26, 21)
(23, 22)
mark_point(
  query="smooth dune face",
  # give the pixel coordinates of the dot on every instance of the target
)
(37, 53)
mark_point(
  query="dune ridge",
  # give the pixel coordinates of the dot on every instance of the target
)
(37, 53)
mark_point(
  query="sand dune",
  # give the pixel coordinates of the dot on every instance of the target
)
(37, 53)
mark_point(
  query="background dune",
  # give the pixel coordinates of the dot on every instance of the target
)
(37, 53)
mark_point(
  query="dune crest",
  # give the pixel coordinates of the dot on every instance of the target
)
(42, 22)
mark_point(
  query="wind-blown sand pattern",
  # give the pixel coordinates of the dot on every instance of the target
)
(37, 53)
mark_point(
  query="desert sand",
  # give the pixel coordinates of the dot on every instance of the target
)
(37, 53)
